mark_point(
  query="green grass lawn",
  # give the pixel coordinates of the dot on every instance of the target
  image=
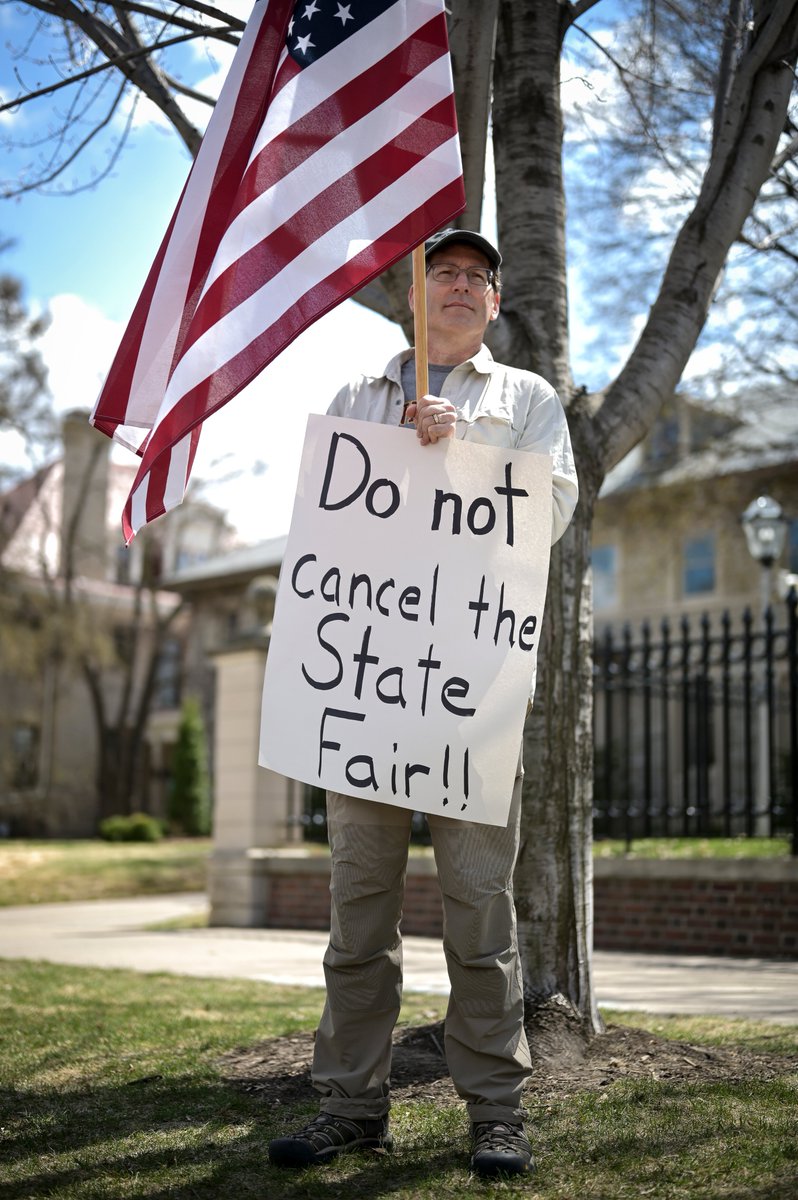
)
(110, 1087)
(34, 872)
(694, 848)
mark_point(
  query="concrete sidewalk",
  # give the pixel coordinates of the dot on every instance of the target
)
(114, 933)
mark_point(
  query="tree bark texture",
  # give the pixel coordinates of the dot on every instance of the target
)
(530, 195)
(472, 37)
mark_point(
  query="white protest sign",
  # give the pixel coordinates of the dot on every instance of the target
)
(407, 619)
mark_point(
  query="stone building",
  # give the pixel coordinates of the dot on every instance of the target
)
(91, 645)
(667, 536)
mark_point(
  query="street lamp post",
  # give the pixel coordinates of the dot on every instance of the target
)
(765, 529)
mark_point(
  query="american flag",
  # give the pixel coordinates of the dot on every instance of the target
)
(331, 153)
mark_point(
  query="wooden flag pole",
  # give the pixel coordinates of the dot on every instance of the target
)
(420, 320)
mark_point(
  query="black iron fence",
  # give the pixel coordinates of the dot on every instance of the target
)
(696, 728)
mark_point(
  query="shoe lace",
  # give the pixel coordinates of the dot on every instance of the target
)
(497, 1135)
(328, 1129)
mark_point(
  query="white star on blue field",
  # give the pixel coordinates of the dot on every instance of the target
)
(318, 27)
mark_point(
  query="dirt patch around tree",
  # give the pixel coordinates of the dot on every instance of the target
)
(278, 1070)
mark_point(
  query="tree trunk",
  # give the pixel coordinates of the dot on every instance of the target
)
(472, 37)
(554, 875)
(530, 195)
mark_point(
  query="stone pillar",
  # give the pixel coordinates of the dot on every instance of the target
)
(84, 516)
(252, 806)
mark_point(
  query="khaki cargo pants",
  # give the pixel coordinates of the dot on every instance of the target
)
(486, 1047)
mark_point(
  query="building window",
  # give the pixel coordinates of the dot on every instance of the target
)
(604, 560)
(122, 566)
(185, 557)
(699, 565)
(168, 675)
(124, 637)
(24, 756)
(792, 547)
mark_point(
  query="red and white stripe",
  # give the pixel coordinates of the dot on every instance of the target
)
(291, 206)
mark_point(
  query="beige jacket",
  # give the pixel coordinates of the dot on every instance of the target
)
(496, 405)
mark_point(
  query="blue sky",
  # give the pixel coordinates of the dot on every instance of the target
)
(99, 243)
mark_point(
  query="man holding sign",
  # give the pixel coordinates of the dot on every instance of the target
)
(476, 399)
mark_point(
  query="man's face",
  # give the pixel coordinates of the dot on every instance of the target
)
(458, 307)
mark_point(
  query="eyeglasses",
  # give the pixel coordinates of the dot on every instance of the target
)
(478, 277)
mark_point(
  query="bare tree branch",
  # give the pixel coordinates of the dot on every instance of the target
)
(134, 60)
(118, 60)
(42, 181)
(624, 76)
(54, 8)
(575, 11)
(188, 91)
(207, 10)
(738, 167)
(133, 50)
(624, 71)
(172, 18)
(786, 155)
(769, 246)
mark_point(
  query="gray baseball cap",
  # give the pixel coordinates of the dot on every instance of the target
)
(447, 237)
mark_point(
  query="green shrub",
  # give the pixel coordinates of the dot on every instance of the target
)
(190, 793)
(138, 827)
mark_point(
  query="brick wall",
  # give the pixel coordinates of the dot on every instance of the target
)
(746, 907)
(303, 902)
(299, 902)
(298, 892)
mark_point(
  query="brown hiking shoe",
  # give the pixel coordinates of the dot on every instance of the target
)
(327, 1135)
(500, 1148)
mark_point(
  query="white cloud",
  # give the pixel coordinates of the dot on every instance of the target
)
(14, 452)
(7, 117)
(140, 112)
(77, 347)
(706, 360)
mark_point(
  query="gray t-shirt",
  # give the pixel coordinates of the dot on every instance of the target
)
(437, 375)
